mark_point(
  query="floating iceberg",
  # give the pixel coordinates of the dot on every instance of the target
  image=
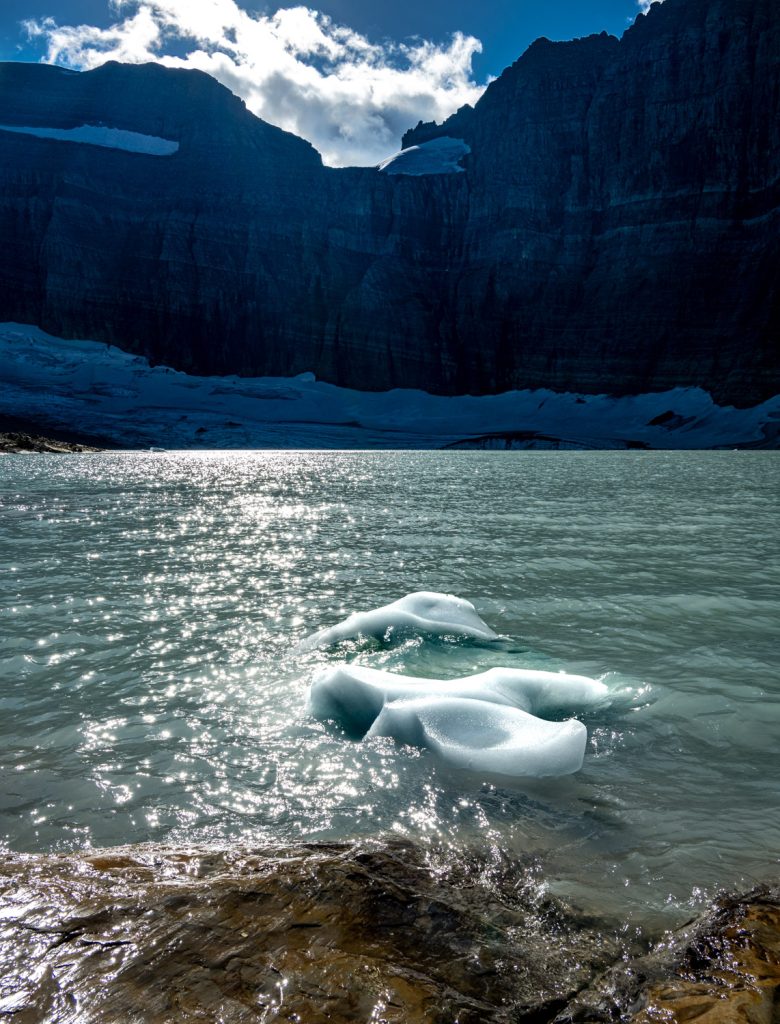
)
(485, 722)
(486, 737)
(424, 612)
(354, 696)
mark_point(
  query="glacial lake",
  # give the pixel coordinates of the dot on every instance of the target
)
(150, 690)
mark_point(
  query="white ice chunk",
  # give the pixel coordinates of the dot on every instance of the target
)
(439, 156)
(354, 695)
(100, 135)
(485, 737)
(424, 612)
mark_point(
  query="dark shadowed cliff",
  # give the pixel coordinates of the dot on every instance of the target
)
(617, 227)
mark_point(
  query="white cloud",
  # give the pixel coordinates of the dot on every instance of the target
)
(296, 68)
(645, 5)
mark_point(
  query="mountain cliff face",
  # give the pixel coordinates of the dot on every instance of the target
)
(615, 227)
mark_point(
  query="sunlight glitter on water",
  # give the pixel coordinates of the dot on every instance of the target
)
(150, 691)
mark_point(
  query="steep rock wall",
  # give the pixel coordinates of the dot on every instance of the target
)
(616, 229)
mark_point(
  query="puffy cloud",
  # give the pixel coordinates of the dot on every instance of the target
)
(295, 68)
(645, 5)
(85, 46)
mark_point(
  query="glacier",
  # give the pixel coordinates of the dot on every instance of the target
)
(439, 156)
(105, 392)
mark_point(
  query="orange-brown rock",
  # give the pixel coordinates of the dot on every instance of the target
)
(311, 934)
(730, 975)
(722, 968)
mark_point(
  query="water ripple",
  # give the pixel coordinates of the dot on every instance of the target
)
(149, 690)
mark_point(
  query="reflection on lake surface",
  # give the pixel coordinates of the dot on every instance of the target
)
(150, 690)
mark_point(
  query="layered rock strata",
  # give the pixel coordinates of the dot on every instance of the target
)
(615, 226)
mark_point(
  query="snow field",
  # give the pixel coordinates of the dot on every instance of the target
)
(100, 135)
(110, 393)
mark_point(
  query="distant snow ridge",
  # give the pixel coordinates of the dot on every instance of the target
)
(99, 135)
(423, 612)
(486, 722)
(439, 156)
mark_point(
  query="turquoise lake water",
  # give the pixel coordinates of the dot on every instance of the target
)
(149, 690)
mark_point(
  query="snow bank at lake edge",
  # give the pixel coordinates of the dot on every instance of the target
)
(107, 392)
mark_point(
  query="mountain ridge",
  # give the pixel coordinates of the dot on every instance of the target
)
(616, 228)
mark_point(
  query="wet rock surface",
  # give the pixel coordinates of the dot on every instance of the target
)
(723, 968)
(372, 931)
(367, 932)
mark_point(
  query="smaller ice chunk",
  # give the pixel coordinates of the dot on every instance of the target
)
(354, 695)
(485, 737)
(438, 156)
(423, 612)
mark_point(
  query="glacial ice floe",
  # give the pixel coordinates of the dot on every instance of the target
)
(354, 695)
(490, 722)
(485, 737)
(423, 612)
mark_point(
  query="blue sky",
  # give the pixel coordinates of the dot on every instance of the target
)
(349, 75)
(505, 27)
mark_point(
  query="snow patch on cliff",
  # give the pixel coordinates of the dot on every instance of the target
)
(439, 156)
(98, 389)
(99, 135)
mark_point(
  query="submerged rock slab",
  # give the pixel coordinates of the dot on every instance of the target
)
(729, 971)
(370, 931)
(313, 933)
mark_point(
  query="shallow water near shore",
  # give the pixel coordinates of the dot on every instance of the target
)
(150, 691)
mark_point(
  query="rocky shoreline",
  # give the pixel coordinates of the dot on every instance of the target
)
(18, 443)
(367, 931)
(19, 436)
